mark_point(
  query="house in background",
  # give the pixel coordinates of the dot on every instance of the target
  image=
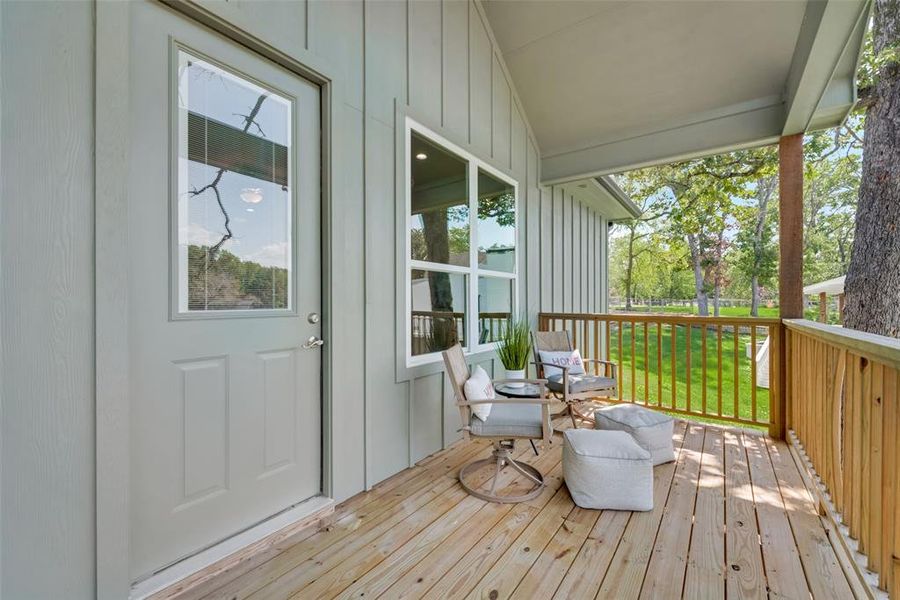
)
(228, 230)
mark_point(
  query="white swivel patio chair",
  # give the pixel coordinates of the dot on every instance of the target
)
(510, 419)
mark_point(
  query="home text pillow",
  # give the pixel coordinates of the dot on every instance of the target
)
(479, 387)
(560, 360)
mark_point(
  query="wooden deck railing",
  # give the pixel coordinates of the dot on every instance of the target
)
(843, 411)
(695, 366)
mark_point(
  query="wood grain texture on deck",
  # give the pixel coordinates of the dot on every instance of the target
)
(732, 518)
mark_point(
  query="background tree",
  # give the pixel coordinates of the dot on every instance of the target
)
(872, 287)
(756, 251)
(639, 233)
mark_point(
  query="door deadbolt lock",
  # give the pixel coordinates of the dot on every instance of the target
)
(313, 318)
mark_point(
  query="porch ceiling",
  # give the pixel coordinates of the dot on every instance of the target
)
(613, 85)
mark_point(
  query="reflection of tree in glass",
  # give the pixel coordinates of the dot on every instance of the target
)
(443, 333)
(224, 281)
(438, 242)
(501, 207)
(249, 119)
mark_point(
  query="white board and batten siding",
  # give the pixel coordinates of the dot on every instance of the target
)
(437, 58)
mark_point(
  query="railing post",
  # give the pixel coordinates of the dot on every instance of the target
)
(779, 376)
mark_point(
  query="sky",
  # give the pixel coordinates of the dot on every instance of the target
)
(261, 230)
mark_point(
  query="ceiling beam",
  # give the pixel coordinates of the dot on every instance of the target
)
(753, 124)
(827, 51)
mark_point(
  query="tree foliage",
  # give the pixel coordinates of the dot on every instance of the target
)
(710, 226)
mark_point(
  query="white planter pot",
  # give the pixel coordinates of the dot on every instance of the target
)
(515, 374)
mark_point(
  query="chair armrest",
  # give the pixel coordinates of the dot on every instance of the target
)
(609, 365)
(502, 400)
(542, 382)
(598, 360)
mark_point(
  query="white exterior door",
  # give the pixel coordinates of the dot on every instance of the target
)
(224, 289)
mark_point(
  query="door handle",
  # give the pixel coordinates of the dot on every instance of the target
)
(312, 342)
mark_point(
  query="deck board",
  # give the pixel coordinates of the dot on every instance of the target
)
(732, 513)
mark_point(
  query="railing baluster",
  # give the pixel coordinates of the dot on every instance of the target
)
(646, 364)
(584, 336)
(737, 335)
(659, 363)
(597, 346)
(674, 329)
(573, 331)
(621, 358)
(633, 365)
(703, 332)
(687, 360)
(753, 373)
(719, 369)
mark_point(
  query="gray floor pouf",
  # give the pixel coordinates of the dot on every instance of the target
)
(607, 470)
(651, 429)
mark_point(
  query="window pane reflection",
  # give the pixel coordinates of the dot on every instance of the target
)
(234, 195)
(438, 310)
(495, 300)
(439, 224)
(496, 224)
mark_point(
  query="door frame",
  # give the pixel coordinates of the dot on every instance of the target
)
(111, 344)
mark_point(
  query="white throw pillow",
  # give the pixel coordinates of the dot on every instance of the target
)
(479, 387)
(562, 359)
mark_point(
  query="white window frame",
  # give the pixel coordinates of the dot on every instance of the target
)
(473, 271)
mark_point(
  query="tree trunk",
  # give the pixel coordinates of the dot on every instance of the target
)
(754, 296)
(697, 265)
(629, 269)
(873, 281)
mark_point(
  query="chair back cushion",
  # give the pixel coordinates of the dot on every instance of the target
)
(479, 387)
(549, 341)
(562, 359)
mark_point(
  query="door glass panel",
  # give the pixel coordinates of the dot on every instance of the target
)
(496, 224)
(439, 223)
(234, 213)
(438, 310)
(495, 304)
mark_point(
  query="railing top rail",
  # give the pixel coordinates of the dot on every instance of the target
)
(663, 318)
(875, 347)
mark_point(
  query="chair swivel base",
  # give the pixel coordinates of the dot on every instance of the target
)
(502, 458)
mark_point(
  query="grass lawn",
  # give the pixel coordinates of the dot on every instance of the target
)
(725, 311)
(642, 379)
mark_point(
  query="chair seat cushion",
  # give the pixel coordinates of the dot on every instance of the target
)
(509, 419)
(651, 429)
(581, 383)
(607, 470)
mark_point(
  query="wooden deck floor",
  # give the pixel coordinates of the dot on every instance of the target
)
(732, 518)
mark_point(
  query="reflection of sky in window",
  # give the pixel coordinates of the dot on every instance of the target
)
(261, 230)
(491, 234)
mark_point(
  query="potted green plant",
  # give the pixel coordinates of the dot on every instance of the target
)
(513, 347)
